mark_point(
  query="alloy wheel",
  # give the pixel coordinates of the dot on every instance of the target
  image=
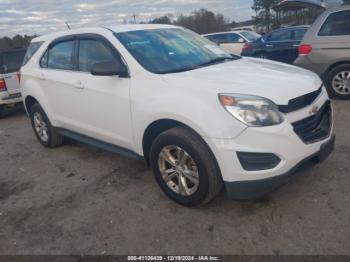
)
(341, 83)
(40, 127)
(178, 170)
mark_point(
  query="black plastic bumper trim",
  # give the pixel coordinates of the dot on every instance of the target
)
(246, 190)
(258, 161)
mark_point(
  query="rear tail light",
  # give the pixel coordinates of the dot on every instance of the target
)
(247, 47)
(2, 85)
(305, 49)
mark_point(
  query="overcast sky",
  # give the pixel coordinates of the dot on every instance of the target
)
(42, 16)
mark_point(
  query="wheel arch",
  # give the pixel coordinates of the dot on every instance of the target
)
(331, 67)
(159, 126)
(29, 101)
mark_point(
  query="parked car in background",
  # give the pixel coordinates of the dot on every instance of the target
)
(325, 50)
(188, 108)
(233, 41)
(280, 45)
(10, 95)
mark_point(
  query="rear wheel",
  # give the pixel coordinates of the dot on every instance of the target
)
(3, 111)
(338, 82)
(262, 55)
(43, 129)
(184, 167)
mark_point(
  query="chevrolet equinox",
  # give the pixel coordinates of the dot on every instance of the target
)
(201, 118)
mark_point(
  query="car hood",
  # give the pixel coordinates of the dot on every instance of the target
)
(276, 81)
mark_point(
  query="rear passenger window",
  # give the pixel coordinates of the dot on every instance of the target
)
(233, 38)
(59, 56)
(219, 38)
(92, 52)
(299, 34)
(336, 24)
(282, 35)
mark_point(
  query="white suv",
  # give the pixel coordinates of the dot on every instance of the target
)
(201, 118)
(10, 95)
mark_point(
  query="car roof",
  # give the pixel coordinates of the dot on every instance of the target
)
(227, 32)
(337, 9)
(291, 27)
(115, 29)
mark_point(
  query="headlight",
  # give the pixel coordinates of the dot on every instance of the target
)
(252, 110)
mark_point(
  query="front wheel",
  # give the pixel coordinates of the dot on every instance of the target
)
(184, 167)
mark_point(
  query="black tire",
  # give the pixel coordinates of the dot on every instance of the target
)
(210, 180)
(54, 139)
(261, 55)
(329, 81)
(3, 112)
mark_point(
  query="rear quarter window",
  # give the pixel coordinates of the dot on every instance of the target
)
(33, 47)
(336, 24)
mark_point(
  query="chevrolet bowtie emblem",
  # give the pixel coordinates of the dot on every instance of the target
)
(314, 110)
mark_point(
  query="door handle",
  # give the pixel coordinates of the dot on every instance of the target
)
(42, 76)
(269, 46)
(79, 85)
(296, 45)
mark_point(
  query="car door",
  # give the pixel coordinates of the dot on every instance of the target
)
(279, 46)
(95, 106)
(11, 64)
(233, 43)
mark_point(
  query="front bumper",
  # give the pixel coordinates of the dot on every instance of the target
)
(244, 190)
(281, 146)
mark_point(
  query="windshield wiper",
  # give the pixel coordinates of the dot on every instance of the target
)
(179, 70)
(216, 61)
(189, 68)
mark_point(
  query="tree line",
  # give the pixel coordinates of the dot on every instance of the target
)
(201, 21)
(17, 41)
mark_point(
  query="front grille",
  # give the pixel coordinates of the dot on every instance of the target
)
(316, 127)
(300, 102)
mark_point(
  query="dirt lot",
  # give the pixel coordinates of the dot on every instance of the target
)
(81, 200)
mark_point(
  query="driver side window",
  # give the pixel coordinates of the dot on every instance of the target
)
(92, 51)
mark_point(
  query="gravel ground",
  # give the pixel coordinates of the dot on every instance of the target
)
(81, 200)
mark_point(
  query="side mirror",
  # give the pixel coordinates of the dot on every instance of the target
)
(241, 40)
(109, 68)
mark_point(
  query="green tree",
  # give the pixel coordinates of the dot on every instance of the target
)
(263, 10)
(203, 22)
(17, 41)
(166, 19)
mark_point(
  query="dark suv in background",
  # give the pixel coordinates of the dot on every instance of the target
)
(280, 45)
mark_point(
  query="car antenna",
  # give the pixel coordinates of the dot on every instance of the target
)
(67, 25)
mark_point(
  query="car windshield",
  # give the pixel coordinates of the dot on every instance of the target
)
(251, 36)
(172, 50)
